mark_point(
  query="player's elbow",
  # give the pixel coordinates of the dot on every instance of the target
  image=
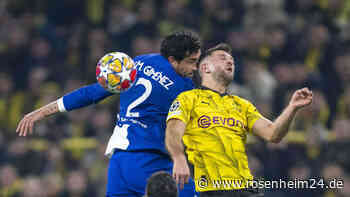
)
(275, 140)
(275, 136)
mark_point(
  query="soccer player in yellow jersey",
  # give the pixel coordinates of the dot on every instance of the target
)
(213, 126)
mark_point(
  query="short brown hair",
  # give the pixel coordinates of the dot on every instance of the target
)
(208, 52)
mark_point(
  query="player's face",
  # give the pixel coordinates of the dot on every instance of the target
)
(224, 65)
(188, 65)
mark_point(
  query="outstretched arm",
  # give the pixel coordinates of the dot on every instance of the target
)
(173, 140)
(84, 96)
(276, 130)
(27, 123)
(79, 98)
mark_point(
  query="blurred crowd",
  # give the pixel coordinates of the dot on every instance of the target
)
(49, 48)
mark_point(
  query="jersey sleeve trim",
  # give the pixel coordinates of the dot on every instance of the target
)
(60, 104)
(181, 107)
(252, 116)
(176, 117)
(251, 125)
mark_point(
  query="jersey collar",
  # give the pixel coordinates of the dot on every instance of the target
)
(206, 88)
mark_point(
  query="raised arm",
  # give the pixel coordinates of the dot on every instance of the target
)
(79, 98)
(27, 123)
(173, 141)
(275, 131)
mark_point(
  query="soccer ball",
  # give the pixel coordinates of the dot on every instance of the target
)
(116, 72)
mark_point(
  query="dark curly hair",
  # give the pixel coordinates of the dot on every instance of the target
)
(161, 184)
(180, 45)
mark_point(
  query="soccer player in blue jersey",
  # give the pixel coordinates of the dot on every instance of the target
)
(136, 147)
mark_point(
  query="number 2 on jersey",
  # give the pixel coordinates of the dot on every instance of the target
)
(148, 89)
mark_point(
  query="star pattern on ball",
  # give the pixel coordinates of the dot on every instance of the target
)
(125, 74)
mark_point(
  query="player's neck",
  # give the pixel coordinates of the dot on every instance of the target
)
(214, 85)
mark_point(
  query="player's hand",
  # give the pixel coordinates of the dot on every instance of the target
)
(301, 98)
(181, 171)
(27, 123)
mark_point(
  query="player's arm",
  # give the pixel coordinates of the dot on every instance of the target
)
(276, 130)
(178, 117)
(173, 140)
(27, 123)
(79, 98)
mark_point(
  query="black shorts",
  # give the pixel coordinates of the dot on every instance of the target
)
(232, 193)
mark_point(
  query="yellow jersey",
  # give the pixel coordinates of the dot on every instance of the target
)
(216, 131)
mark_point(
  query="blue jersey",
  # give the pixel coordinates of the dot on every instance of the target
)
(141, 122)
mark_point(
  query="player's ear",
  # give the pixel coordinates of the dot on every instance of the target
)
(173, 61)
(206, 68)
(203, 67)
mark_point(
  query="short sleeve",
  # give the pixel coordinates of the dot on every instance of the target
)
(181, 108)
(252, 116)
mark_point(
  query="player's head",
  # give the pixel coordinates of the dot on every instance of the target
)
(217, 63)
(161, 184)
(182, 50)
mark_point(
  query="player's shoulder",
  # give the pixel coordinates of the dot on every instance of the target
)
(241, 101)
(193, 93)
(147, 56)
(154, 62)
(151, 58)
(197, 92)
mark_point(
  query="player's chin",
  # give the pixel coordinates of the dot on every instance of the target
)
(229, 74)
(228, 78)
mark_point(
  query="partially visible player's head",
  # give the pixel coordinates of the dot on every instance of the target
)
(161, 184)
(182, 50)
(217, 64)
